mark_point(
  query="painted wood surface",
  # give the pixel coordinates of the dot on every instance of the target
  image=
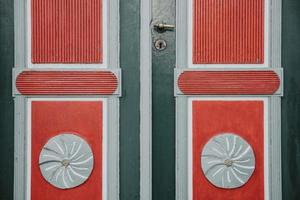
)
(244, 118)
(228, 31)
(49, 118)
(228, 82)
(66, 31)
(66, 82)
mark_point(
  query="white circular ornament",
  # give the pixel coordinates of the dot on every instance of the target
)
(66, 161)
(227, 161)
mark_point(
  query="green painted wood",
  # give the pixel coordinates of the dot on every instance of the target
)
(163, 105)
(130, 101)
(6, 100)
(291, 100)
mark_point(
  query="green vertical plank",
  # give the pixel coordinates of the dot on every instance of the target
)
(291, 100)
(6, 101)
(130, 101)
(163, 105)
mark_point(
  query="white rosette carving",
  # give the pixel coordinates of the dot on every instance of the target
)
(66, 161)
(227, 161)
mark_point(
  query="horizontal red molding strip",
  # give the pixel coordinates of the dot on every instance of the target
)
(228, 82)
(67, 83)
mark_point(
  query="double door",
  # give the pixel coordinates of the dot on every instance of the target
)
(204, 102)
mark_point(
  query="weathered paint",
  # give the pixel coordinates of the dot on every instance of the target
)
(66, 31)
(228, 31)
(244, 118)
(66, 82)
(228, 82)
(50, 118)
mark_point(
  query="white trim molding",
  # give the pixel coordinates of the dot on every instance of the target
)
(146, 102)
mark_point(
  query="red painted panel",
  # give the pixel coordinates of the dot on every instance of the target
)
(228, 32)
(244, 118)
(228, 82)
(50, 118)
(66, 31)
(66, 82)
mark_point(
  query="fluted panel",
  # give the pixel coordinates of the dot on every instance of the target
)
(228, 32)
(67, 82)
(66, 31)
(228, 82)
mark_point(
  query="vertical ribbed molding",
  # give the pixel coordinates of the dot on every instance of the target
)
(275, 103)
(228, 32)
(66, 31)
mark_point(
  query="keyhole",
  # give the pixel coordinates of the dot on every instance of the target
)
(160, 44)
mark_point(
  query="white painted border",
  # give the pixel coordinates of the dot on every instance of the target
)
(104, 140)
(266, 138)
(146, 101)
(105, 28)
(266, 43)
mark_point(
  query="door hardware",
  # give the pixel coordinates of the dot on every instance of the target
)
(160, 44)
(162, 27)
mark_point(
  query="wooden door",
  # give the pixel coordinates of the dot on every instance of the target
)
(228, 88)
(66, 84)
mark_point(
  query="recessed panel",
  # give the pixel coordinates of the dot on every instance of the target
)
(228, 31)
(227, 150)
(66, 31)
(66, 150)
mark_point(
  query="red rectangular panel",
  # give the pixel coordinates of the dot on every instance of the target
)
(228, 32)
(50, 118)
(243, 118)
(66, 31)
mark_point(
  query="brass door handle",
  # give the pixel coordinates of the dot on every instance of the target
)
(162, 27)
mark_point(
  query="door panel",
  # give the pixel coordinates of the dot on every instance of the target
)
(228, 32)
(66, 84)
(67, 31)
(228, 83)
(211, 117)
(68, 116)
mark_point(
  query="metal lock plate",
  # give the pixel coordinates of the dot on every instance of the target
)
(160, 44)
